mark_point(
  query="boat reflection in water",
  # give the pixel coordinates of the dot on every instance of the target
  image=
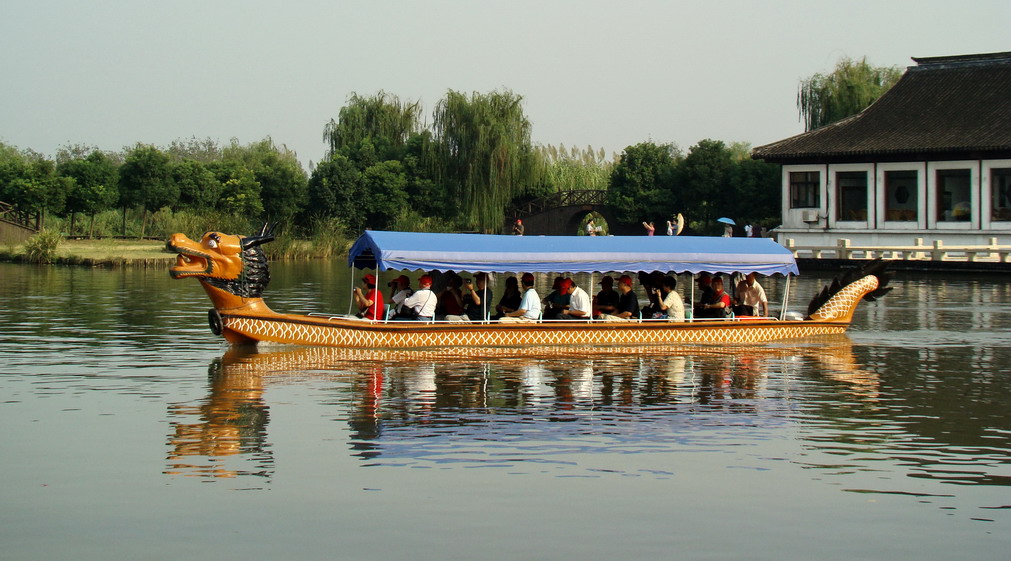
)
(231, 421)
(507, 396)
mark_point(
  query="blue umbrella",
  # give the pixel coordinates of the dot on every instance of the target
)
(727, 221)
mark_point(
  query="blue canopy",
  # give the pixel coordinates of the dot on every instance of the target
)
(568, 254)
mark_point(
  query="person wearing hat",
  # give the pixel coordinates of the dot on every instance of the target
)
(555, 301)
(607, 298)
(628, 302)
(369, 302)
(530, 305)
(421, 304)
(518, 227)
(477, 298)
(579, 306)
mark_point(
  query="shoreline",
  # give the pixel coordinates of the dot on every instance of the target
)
(116, 253)
(110, 253)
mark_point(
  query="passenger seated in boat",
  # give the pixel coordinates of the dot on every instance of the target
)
(400, 289)
(477, 297)
(579, 306)
(510, 301)
(451, 300)
(530, 305)
(420, 305)
(370, 301)
(751, 298)
(704, 282)
(607, 298)
(671, 307)
(719, 304)
(628, 302)
(653, 284)
(555, 301)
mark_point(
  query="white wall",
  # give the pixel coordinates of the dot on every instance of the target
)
(821, 228)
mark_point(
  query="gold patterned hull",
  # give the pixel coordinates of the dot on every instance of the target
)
(242, 328)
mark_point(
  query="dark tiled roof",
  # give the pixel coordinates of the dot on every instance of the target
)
(944, 105)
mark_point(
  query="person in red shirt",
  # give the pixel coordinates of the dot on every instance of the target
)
(719, 305)
(369, 302)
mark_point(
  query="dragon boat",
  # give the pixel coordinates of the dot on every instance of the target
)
(234, 272)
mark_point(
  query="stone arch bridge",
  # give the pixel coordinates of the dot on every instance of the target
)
(561, 213)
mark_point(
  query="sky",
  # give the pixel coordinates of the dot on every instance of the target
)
(110, 74)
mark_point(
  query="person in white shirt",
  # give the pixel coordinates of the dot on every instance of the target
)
(580, 305)
(423, 301)
(751, 298)
(672, 305)
(401, 289)
(530, 305)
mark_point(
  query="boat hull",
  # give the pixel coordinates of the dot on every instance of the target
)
(339, 332)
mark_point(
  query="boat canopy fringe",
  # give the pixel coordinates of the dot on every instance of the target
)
(413, 251)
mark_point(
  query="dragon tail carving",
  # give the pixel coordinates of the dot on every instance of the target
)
(838, 299)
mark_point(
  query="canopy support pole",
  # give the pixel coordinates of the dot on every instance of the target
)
(351, 291)
(786, 298)
(691, 300)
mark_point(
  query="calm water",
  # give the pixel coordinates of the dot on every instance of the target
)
(130, 432)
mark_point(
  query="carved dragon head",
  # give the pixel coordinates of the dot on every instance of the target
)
(235, 265)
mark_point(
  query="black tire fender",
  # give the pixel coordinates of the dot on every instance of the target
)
(214, 321)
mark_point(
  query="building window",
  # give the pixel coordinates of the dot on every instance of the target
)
(1000, 189)
(851, 192)
(953, 199)
(901, 188)
(804, 189)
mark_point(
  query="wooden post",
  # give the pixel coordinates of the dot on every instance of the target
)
(938, 253)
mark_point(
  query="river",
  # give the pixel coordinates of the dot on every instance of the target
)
(131, 432)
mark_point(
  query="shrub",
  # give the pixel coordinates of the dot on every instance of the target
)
(41, 248)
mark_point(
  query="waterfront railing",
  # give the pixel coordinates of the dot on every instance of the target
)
(919, 251)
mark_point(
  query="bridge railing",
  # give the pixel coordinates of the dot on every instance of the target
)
(11, 214)
(575, 197)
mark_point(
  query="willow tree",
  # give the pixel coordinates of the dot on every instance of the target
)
(482, 151)
(380, 119)
(848, 90)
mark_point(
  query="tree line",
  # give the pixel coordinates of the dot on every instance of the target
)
(654, 182)
(189, 177)
(381, 170)
(384, 170)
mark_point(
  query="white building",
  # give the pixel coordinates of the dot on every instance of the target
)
(930, 159)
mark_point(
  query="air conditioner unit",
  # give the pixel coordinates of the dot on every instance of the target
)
(809, 216)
